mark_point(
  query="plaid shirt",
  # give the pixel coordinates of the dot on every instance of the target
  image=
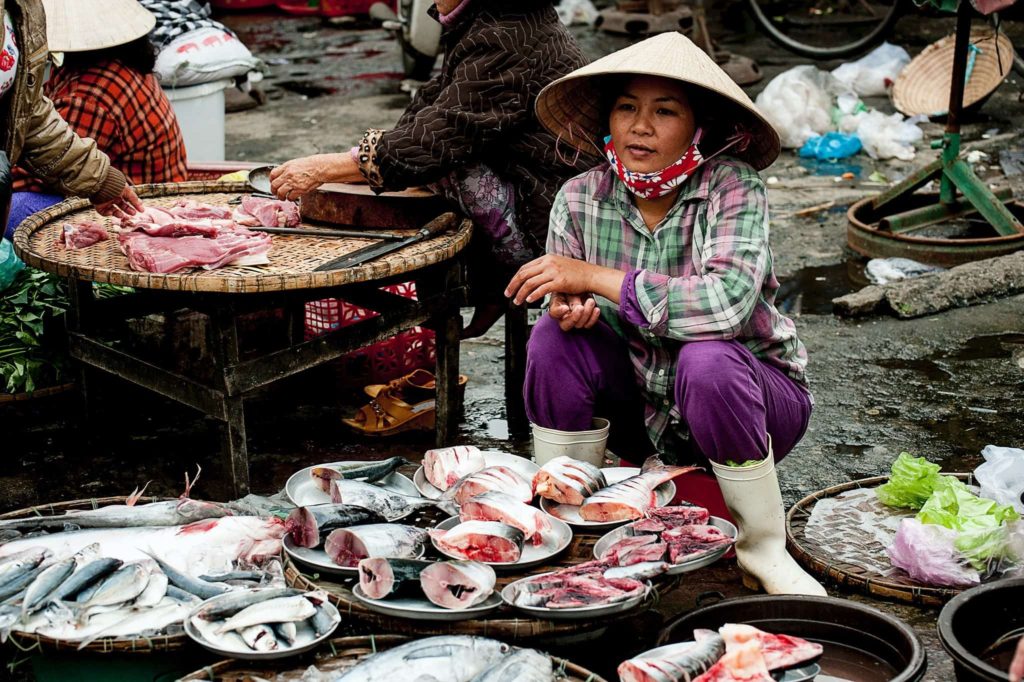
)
(127, 114)
(705, 273)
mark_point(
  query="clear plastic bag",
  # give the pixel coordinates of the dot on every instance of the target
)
(875, 72)
(798, 102)
(1001, 476)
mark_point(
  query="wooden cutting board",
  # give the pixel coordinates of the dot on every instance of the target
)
(358, 206)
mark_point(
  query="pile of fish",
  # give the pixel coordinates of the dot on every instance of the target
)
(567, 481)
(265, 620)
(736, 653)
(450, 658)
(452, 585)
(595, 583)
(673, 534)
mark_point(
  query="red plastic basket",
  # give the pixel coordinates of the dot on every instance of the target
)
(381, 362)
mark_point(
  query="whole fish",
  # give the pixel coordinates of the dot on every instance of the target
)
(124, 584)
(89, 574)
(347, 546)
(259, 637)
(568, 481)
(17, 564)
(308, 526)
(497, 506)
(683, 661)
(380, 577)
(444, 466)
(165, 513)
(278, 610)
(200, 588)
(156, 590)
(522, 665)
(389, 504)
(488, 541)
(458, 584)
(449, 658)
(229, 605)
(286, 632)
(632, 498)
(368, 472)
(497, 478)
(38, 593)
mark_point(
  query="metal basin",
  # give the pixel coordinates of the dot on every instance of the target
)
(979, 628)
(861, 643)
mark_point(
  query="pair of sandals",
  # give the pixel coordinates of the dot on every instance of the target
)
(404, 404)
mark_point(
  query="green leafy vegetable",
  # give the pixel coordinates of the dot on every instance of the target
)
(29, 359)
(911, 482)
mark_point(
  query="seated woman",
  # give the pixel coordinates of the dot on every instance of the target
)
(471, 134)
(661, 284)
(105, 90)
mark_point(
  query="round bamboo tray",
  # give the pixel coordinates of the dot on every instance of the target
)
(109, 645)
(844, 532)
(293, 259)
(505, 625)
(342, 653)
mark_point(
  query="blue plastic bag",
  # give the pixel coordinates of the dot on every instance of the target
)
(831, 146)
(10, 264)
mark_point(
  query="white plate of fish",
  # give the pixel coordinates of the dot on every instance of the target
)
(344, 548)
(312, 485)
(263, 624)
(498, 543)
(463, 471)
(686, 537)
(569, 594)
(587, 497)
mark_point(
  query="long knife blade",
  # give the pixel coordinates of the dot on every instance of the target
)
(360, 256)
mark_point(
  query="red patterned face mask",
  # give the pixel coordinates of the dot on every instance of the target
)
(659, 183)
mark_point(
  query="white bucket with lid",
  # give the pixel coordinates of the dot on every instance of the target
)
(587, 446)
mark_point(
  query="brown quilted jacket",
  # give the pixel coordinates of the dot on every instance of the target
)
(497, 58)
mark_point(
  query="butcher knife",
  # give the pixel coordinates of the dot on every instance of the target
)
(367, 253)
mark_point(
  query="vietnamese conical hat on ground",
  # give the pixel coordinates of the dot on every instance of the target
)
(85, 25)
(571, 107)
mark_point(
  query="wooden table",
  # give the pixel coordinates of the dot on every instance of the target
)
(226, 294)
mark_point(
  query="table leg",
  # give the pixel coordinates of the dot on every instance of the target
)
(517, 331)
(224, 330)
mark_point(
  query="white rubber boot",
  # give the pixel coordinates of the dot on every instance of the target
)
(753, 496)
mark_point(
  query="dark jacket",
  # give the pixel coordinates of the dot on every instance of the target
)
(479, 109)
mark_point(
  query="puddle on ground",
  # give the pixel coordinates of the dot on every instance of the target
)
(810, 290)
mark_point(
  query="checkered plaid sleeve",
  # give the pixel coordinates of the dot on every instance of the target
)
(735, 261)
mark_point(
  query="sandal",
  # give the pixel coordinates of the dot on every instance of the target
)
(387, 414)
(417, 384)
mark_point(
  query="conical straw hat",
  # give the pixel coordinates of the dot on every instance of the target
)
(571, 107)
(85, 25)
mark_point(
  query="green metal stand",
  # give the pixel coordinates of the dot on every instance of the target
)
(953, 172)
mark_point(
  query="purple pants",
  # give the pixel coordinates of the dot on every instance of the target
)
(727, 397)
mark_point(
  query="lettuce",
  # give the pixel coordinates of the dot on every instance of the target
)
(911, 482)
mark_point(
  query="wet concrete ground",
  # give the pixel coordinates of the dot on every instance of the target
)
(942, 386)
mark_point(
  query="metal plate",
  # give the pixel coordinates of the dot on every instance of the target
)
(233, 646)
(803, 673)
(584, 612)
(303, 491)
(533, 555)
(423, 609)
(570, 513)
(693, 564)
(492, 458)
(318, 561)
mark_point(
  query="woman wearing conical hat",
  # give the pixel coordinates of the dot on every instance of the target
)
(106, 91)
(662, 310)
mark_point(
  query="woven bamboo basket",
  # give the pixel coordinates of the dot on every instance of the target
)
(505, 625)
(39, 643)
(923, 86)
(817, 557)
(293, 259)
(342, 654)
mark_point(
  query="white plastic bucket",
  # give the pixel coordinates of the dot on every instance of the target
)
(200, 113)
(587, 446)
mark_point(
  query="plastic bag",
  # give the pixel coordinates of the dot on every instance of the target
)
(885, 270)
(1001, 476)
(911, 482)
(875, 72)
(10, 264)
(830, 146)
(885, 137)
(927, 553)
(798, 102)
(577, 12)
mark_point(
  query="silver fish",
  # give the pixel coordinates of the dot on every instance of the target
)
(166, 513)
(522, 665)
(368, 472)
(259, 637)
(448, 658)
(686, 661)
(389, 504)
(347, 546)
(47, 582)
(271, 611)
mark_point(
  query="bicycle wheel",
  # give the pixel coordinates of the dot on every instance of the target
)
(826, 29)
